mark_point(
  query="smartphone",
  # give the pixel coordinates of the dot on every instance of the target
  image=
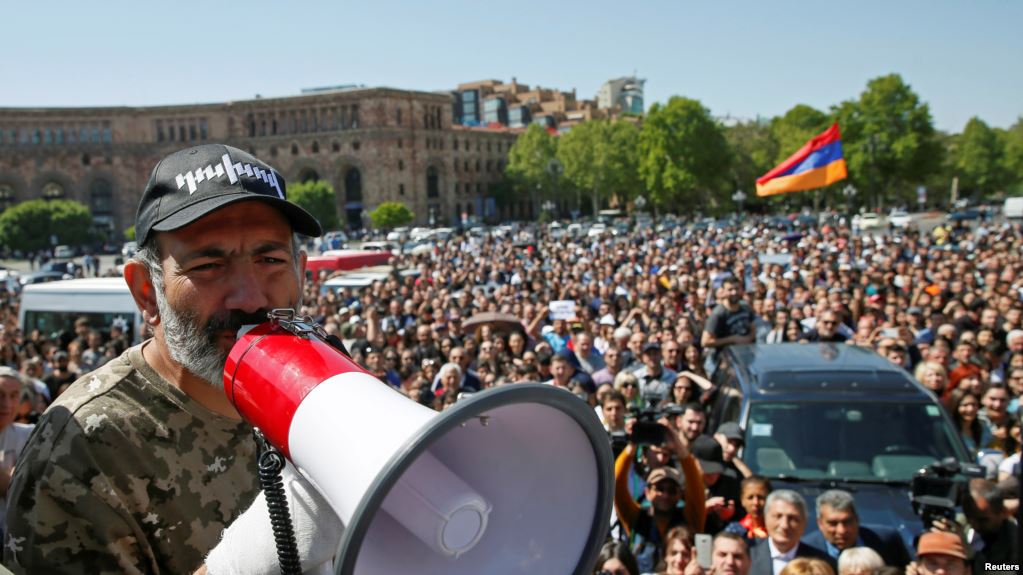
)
(889, 332)
(647, 433)
(703, 549)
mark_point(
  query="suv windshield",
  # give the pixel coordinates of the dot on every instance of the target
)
(849, 440)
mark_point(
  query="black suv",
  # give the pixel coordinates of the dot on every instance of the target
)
(825, 416)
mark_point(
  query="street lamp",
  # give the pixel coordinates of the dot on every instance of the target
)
(739, 197)
(640, 202)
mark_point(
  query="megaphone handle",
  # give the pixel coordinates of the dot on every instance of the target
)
(271, 462)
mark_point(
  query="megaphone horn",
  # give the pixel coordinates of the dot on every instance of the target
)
(514, 480)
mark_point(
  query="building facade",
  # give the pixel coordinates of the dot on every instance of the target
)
(372, 144)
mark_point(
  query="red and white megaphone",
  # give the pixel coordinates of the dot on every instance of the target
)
(515, 480)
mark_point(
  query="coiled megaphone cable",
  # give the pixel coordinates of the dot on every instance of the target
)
(271, 462)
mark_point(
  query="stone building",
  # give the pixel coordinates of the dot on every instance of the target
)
(372, 144)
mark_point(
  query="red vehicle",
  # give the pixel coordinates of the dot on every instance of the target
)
(344, 260)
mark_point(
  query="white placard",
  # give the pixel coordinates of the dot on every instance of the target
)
(563, 309)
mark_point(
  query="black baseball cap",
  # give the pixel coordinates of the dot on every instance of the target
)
(192, 183)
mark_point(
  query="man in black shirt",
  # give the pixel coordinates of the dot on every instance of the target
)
(731, 321)
(826, 329)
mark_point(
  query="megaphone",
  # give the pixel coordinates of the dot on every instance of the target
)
(514, 480)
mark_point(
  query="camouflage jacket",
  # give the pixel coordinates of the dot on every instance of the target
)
(125, 473)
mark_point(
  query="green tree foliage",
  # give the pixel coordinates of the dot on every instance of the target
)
(529, 162)
(317, 198)
(754, 149)
(683, 155)
(129, 234)
(1012, 158)
(600, 158)
(28, 226)
(390, 215)
(795, 128)
(888, 139)
(978, 158)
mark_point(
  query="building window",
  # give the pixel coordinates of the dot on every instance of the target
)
(488, 146)
(401, 165)
(204, 129)
(6, 196)
(336, 146)
(401, 189)
(101, 198)
(249, 121)
(401, 143)
(294, 149)
(454, 144)
(465, 165)
(86, 159)
(316, 147)
(432, 183)
(193, 133)
(308, 175)
(181, 133)
(47, 137)
(397, 116)
(356, 145)
(479, 188)
(37, 136)
(455, 164)
(477, 166)
(160, 136)
(489, 166)
(355, 116)
(53, 191)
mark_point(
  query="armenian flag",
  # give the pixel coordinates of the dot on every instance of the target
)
(818, 163)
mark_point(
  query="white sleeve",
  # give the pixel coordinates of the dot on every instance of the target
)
(247, 546)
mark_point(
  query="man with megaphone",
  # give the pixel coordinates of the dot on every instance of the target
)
(140, 465)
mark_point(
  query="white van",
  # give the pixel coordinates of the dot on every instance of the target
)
(1013, 209)
(53, 307)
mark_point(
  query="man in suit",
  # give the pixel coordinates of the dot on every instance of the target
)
(840, 529)
(785, 518)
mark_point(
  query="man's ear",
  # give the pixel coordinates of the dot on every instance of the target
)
(143, 291)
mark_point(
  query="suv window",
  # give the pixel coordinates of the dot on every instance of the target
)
(863, 440)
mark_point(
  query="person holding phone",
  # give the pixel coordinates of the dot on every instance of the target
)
(647, 527)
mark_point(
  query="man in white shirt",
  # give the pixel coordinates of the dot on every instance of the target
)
(785, 518)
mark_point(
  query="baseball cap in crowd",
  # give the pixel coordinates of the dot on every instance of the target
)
(192, 183)
(708, 452)
(941, 543)
(652, 346)
(731, 430)
(662, 473)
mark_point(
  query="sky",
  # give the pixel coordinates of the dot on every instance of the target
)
(740, 58)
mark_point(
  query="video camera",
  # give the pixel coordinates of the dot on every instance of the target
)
(647, 430)
(937, 490)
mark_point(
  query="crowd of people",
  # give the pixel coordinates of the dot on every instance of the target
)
(650, 309)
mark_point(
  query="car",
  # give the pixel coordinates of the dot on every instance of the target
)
(129, 248)
(596, 230)
(824, 416)
(63, 252)
(964, 215)
(867, 221)
(43, 277)
(900, 219)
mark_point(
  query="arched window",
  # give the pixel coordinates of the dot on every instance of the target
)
(7, 198)
(353, 185)
(53, 191)
(308, 175)
(432, 183)
(101, 198)
(316, 147)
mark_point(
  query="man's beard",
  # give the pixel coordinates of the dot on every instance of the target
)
(196, 346)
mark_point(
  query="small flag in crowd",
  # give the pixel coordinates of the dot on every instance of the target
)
(815, 165)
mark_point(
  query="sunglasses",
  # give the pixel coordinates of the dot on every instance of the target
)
(630, 385)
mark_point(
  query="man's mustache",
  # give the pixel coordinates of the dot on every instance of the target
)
(234, 320)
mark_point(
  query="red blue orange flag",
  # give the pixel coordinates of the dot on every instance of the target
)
(815, 165)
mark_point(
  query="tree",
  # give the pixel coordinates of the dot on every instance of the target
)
(317, 197)
(978, 158)
(683, 154)
(529, 163)
(793, 130)
(600, 157)
(888, 139)
(754, 151)
(28, 226)
(1012, 158)
(129, 234)
(390, 215)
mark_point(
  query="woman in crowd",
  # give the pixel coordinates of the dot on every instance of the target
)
(616, 559)
(628, 385)
(678, 551)
(933, 376)
(963, 407)
(859, 561)
(807, 566)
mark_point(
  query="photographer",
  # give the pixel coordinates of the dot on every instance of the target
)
(646, 526)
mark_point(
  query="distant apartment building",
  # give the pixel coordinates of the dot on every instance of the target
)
(372, 144)
(492, 103)
(622, 96)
